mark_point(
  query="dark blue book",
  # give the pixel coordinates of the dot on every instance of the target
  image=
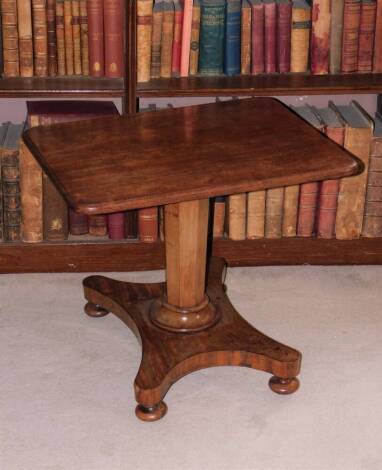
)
(212, 33)
(232, 38)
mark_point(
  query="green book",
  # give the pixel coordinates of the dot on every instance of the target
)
(3, 133)
(212, 37)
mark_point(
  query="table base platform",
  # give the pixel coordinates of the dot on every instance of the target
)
(167, 356)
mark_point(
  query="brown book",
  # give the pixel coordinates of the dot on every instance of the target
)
(352, 192)
(219, 217)
(144, 31)
(52, 38)
(284, 25)
(166, 41)
(24, 18)
(78, 223)
(336, 32)
(257, 37)
(84, 38)
(372, 219)
(245, 49)
(256, 214)
(274, 212)
(290, 210)
(237, 215)
(300, 34)
(349, 56)
(3, 133)
(68, 28)
(98, 225)
(148, 224)
(195, 36)
(131, 224)
(40, 38)
(96, 39)
(156, 39)
(320, 41)
(116, 225)
(366, 35)
(10, 38)
(113, 27)
(60, 37)
(76, 37)
(377, 56)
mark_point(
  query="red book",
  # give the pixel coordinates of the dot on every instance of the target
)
(284, 28)
(116, 225)
(320, 39)
(148, 224)
(78, 223)
(177, 40)
(113, 26)
(377, 61)
(257, 36)
(366, 35)
(349, 56)
(96, 39)
(270, 35)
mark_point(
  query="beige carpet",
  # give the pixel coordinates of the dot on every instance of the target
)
(67, 402)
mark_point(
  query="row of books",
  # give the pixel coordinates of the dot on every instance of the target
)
(231, 37)
(61, 37)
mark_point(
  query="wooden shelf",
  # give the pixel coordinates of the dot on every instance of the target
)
(262, 85)
(134, 256)
(20, 87)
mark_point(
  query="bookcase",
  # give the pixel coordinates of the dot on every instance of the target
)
(85, 256)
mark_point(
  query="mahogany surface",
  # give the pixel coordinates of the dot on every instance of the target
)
(183, 154)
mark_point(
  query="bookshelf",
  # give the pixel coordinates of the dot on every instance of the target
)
(92, 256)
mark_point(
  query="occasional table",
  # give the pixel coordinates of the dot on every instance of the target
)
(180, 158)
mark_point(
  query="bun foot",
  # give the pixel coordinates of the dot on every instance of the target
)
(152, 413)
(284, 386)
(94, 310)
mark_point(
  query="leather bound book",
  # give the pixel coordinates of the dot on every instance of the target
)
(284, 25)
(113, 25)
(24, 18)
(68, 28)
(320, 41)
(144, 31)
(270, 37)
(84, 38)
(1, 46)
(300, 36)
(131, 224)
(167, 37)
(290, 210)
(219, 217)
(177, 40)
(116, 225)
(328, 196)
(257, 37)
(232, 38)
(256, 214)
(349, 56)
(52, 40)
(10, 38)
(60, 37)
(336, 32)
(212, 30)
(366, 35)
(245, 47)
(3, 133)
(377, 57)
(195, 35)
(156, 39)
(78, 223)
(95, 37)
(237, 215)
(40, 38)
(352, 192)
(98, 225)
(372, 219)
(186, 38)
(148, 224)
(76, 37)
(274, 202)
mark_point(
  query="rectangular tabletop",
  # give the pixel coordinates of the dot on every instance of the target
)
(125, 162)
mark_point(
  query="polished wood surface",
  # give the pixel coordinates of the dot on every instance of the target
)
(184, 154)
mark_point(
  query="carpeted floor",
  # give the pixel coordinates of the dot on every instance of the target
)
(67, 402)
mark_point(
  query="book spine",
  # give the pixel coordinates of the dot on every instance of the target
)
(186, 38)
(10, 38)
(232, 38)
(366, 35)
(78, 223)
(212, 28)
(31, 197)
(156, 40)
(274, 212)
(352, 13)
(245, 46)
(60, 37)
(68, 28)
(98, 225)
(290, 211)
(84, 38)
(257, 41)
(24, 18)
(76, 30)
(148, 224)
(177, 41)
(256, 214)
(116, 225)
(300, 34)
(219, 217)
(40, 38)
(11, 195)
(320, 43)
(270, 37)
(113, 25)
(167, 38)
(377, 57)
(237, 215)
(131, 224)
(52, 38)
(372, 221)
(195, 34)
(336, 32)
(144, 31)
(307, 209)
(284, 24)
(96, 42)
